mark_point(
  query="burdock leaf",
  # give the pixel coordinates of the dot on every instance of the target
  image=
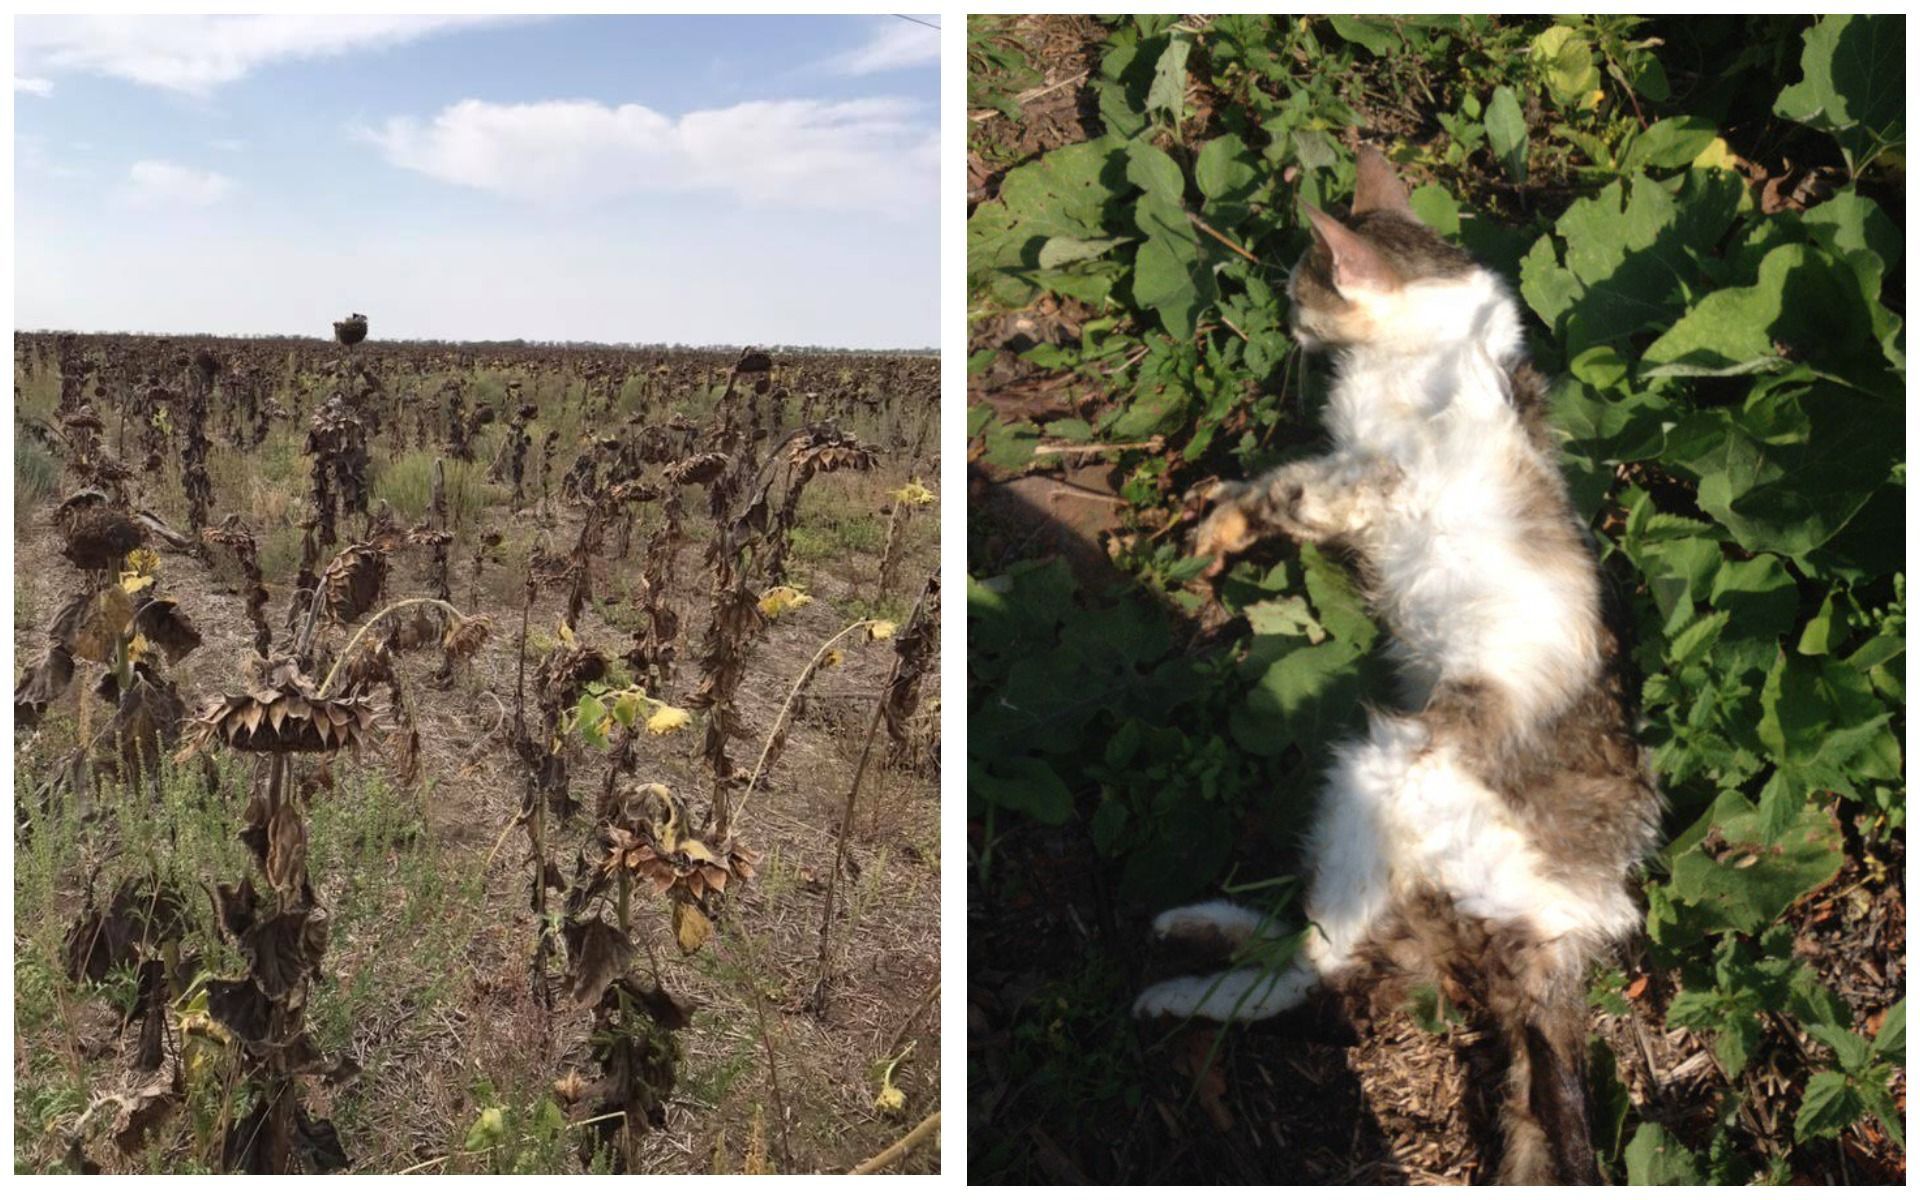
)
(1507, 132)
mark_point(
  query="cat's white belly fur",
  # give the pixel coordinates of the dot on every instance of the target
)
(1400, 815)
(1453, 575)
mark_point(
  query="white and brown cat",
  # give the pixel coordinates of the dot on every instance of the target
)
(1482, 833)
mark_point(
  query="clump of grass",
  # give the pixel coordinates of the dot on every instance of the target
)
(279, 553)
(407, 484)
(838, 536)
(36, 473)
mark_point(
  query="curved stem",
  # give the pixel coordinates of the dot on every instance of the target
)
(900, 1149)
(375, 620)
(780, 720)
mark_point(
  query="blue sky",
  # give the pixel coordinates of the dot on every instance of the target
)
(677, 179)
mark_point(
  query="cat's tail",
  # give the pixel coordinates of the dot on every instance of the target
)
(1545, 1118)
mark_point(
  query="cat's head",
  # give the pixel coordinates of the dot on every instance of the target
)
(1379, 276)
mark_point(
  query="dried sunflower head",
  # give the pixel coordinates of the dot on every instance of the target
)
(700, 468)
(281, 716)
(646, 838)
(465, 636)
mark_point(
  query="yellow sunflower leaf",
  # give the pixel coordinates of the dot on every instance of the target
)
(691, 929)
(780, 599)
(667, 718)
(914, 494)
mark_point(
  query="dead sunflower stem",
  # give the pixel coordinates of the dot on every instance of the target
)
(378, 617)
(780, 719)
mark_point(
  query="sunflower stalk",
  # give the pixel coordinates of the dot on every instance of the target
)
(912, 645)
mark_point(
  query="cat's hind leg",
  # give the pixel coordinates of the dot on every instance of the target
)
(1242, 994)
(1215, 923)
(1349, 849)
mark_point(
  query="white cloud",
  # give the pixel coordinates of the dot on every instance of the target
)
(32, 86)
(196, 54)
(230, 145)
(891, 45)
(153, 183)
(864, 155)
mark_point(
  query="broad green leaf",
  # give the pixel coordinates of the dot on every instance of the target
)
(1626, 253)
(1854, 84)
(1759, 594)
(1849, 222)
(1066, 194)
(1669, 143)
(1022, 784)
(587, 722)
(1171, 276)
(1692, 643)
(1850, 1050)
(1339, 604)
(487, 1131)
(1656, 1158)
(1891, 1042)
(1830, 1105)
(1285, 615)
(1154, 172)
(1600, 366)
(1827, 630)
(1010, 445)
(1436, 208)
(1299, 698)
(1169, 91)
(1877, 1095)
(1745, 329)
(1375, 33)
(1060, 251)
(1547, 287)
(1315, 149)
(1823, 723)
(1790, 469)
(1754, 875)
(1225, 170)
(1565, 62)
(1735, 1040)
(1507, 133)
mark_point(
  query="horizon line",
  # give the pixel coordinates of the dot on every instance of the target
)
(804, 347)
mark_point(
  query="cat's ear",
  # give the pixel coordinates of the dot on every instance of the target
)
(1357, 266)
(1376, 188)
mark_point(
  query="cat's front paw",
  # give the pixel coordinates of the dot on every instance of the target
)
(1228, 529)
(1295, 502)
